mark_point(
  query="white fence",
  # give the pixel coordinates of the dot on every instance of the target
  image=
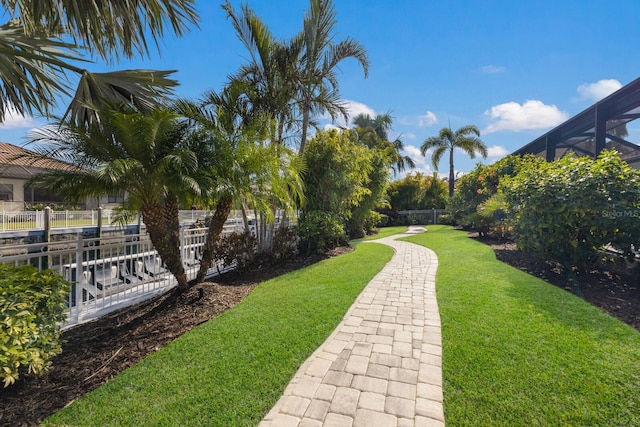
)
(107, 273)
(30, 220)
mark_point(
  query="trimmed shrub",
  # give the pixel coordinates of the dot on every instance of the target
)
(285, 244)
(320, 231)
(568, 210)
(236, 248)
(32, 306)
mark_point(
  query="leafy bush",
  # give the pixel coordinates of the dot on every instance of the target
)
(236, 248)
(285, 243)
(347, 179)
(417, 192)
(32, 306)
(364, 223)
(477, 187)
(567, 210)
(320, 231)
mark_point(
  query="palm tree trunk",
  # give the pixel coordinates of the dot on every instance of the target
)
(154, 217)
(452, 174)
(245, 219)
(220, 215)
(305, 125)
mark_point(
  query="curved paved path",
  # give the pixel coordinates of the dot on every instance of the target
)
(382, 365)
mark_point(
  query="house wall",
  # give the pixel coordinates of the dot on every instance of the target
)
(14, 201)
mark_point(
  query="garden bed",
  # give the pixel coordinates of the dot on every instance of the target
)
(615, 290)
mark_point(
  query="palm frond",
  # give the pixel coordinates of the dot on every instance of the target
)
(32, 70)
(111, 28)
(142, 90)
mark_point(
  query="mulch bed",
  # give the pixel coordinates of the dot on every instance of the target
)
(97, 351)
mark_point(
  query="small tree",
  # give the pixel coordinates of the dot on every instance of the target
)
(345, 179)
(416, 192)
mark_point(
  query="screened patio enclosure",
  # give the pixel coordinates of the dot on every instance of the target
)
(601, 126)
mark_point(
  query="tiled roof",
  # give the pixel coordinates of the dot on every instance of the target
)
(15, 162)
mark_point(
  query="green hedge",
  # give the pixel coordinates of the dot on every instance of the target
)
(32, 306)
(567, 210)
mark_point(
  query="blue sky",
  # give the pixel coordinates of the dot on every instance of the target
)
(513, 68)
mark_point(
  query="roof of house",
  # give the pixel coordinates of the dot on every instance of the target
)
(20, 163)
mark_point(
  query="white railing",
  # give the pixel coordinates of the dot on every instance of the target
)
(34, 220)
(21, 220)
(107, 273)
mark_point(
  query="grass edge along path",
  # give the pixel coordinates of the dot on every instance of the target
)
(231, 370)
(383, 232)
(518, 351)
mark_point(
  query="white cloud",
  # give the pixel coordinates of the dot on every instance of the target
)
(423, 164)
(429, 119)
(492, 69)
(531, 115)
(413, 152)
(353, 109)
(328, 126)
(598, 90)
(496, 152)
(15, 120)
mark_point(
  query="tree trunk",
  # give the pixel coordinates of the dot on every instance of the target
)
(245, 219)
(305, 126)
(154, 216)
(452, 174)
(223, 208)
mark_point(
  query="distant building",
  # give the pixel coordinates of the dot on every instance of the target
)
(15, 172)
(601, 126)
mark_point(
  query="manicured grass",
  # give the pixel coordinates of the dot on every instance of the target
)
(383, 232)
(518, 351)
(231, 370)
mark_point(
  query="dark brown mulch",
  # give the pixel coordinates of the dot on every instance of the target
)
(97, 351)
(612, 288)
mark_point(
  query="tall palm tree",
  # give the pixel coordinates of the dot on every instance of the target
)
(270, 73)
(145, 155)
(43, 39)
(448, 140)
(318, 83)
(377, 129)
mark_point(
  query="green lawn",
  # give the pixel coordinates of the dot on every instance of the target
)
(384, 232)
(518, 351)
(231, 370)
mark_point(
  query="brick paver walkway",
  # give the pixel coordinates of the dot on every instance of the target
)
(382, 366)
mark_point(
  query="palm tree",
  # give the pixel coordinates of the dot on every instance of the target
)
(145, 155)
(270, 72)
(377, 129)
(239, 166)
(44, 37)
(318, 83)
(448, 140)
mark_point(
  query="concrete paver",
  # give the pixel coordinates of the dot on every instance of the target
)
(382, 366)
